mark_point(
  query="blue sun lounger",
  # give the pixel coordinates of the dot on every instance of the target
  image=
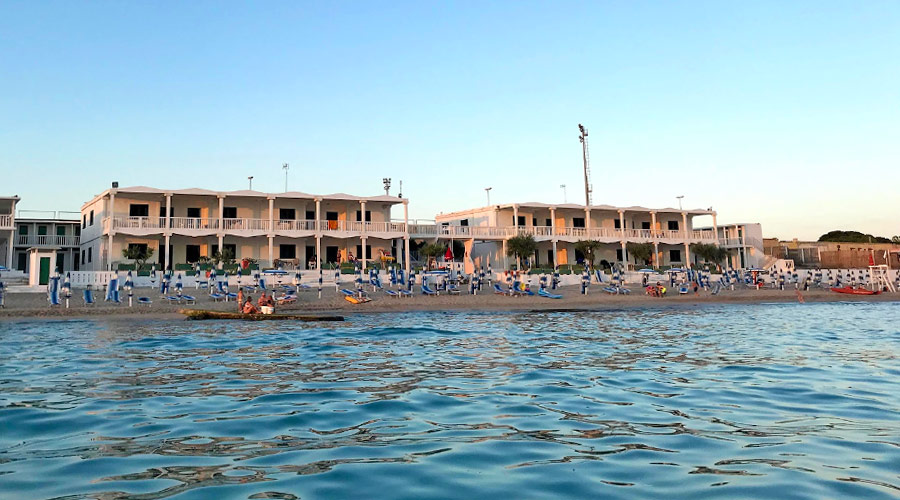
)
(145, 301)
(88, 297)
(428, 291)
(398, 294)
(548, 295)
(499, 290)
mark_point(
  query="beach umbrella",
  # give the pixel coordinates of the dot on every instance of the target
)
(320, 281)
(178, 284)
(53, 290)
(393, 276)
(240, 274)
(152, 275)
(197, 277)
(112, 289)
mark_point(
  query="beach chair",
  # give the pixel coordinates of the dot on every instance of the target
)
(188, 299)
(391, 293)
(144, 301)
(611, 290)
(548, 295)
(88, 297)
(683, 290)
(217, 296)
(173, 299)
(428, 291)
(286, 299)
(499, 289)
(453, 290)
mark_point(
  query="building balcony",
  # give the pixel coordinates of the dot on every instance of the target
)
(243, 227)
(6, 221)
(47, 240)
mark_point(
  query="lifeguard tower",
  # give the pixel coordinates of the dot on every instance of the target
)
(879, 279)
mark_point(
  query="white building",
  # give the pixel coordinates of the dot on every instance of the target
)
(292, 229)
(558, 227)
(744, 242)
(50, 230)
(7, 230)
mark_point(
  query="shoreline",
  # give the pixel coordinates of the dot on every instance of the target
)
(34, 306)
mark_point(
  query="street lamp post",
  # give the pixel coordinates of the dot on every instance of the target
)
(487, 190)
(563, 186)
(250, 179)
(285, 167)
(679, 201)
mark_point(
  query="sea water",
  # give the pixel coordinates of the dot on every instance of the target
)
(756, 401)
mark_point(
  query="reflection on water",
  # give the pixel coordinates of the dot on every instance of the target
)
(779, 401)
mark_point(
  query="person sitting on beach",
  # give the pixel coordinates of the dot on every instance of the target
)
(249, 308)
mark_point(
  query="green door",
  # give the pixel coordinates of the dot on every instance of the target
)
(45, 271)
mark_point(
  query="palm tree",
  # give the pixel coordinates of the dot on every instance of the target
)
(520, 246)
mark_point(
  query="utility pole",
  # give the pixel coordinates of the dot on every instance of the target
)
(250, 178)
(585, 154)
(285, 167)
(488, 191)
(565, 198)
(679, 201)
(387, 185)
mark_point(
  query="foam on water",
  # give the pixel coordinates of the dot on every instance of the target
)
(771, 401)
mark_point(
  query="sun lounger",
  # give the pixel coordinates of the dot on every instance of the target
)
(286, 299)
(187, 299)
(453, 290)
(428, 291)
(548, 295)
(611, 290)
(391, 293)
(88, 297)
(499, 289)
(217, 296)
(173, 299)
(684, 290)
(144, 301)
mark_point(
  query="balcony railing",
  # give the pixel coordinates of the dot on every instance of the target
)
(706, 234)
(40, 240)
(245, 224)
(295, 225)
(123, 222)
(6, 221)
(194, 223)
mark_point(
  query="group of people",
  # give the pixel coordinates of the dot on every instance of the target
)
(657, 290)
(245, 303)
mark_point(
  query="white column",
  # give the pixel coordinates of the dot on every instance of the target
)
(715, 229)
(167, 232)
(516, 217)
(221, 229)
(687, 249)
(505, 261)
(270, 231)
(587, 221)
(553, 237)
(406, 236)
(622, 238)
(110, 213)
(655, 239)
(363, 239)
(318, 227)
(9, 249)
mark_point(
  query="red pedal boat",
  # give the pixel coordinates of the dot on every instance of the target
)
(855, 291)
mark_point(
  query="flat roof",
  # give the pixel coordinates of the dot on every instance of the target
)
(575, 206)
(245, 193)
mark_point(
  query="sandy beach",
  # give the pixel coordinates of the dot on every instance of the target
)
(34, 305)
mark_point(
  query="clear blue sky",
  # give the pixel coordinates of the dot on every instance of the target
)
(785, 113)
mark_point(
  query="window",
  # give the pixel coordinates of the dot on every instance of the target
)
(577, 221)
(42, 230)
(368, 216)
(550, 256)
(287, 251)
(645, 225)
(83, 221)
(520, 220)
(534, 221)
(674, 255)
(673, 225)
(60, 230)
(193, 213)
(90, 251)
(191, 253)
(23, 229)
(368, 252)
(136, 211)
(82, 257)
(464, 222)
(162, 211)
(617, 224)
(287, 214)
(310, 215)
(77, 231)
(229, 213)
(548, 223)
(619, 254)
(91, 220)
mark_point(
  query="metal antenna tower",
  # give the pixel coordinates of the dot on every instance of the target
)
(586, 155)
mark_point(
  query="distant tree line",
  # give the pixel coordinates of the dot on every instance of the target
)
(856, 237)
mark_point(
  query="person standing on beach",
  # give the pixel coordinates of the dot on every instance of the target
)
(240, 299)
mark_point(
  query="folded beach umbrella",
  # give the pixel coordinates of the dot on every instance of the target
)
(393, 276)
(320, 281)
(53, 290)
(112, 289)
(179, 286)
(152, 275)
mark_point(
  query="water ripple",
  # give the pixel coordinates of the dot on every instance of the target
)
(778, 400)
